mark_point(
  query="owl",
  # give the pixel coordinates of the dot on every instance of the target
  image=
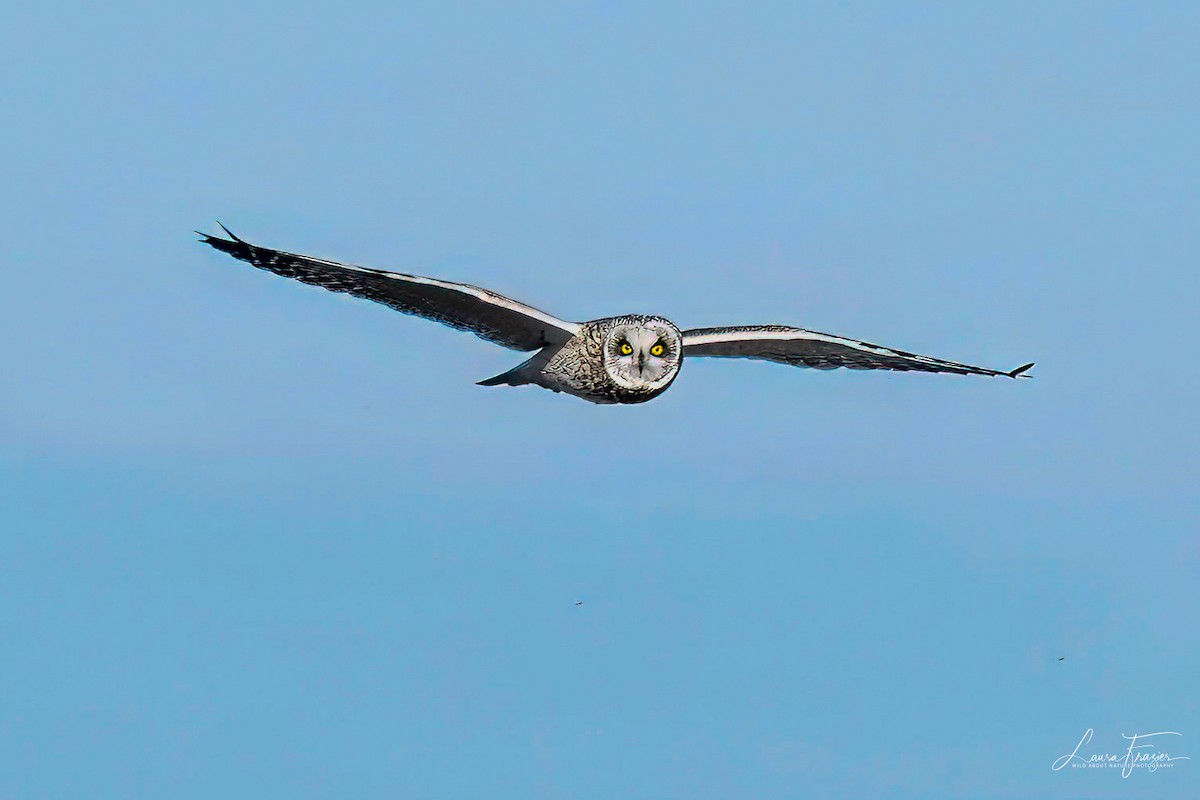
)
(627, 359)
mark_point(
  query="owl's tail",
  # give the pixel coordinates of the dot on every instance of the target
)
(519, 375)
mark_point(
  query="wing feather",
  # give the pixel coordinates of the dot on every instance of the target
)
(486, 314)
(804, 348)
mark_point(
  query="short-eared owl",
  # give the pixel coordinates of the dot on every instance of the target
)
(629, 359)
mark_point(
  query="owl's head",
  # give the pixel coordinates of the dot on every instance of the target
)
(643, 353)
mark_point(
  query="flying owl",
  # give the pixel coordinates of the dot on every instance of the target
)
(628, 359)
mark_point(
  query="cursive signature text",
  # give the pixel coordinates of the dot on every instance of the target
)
(1141, 754)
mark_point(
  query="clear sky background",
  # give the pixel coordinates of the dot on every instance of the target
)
(260, 540)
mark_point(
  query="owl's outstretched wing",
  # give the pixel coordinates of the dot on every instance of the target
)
(803, 348)
(468, 308)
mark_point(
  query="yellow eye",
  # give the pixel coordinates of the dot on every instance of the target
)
(626, 349)
(657, 350)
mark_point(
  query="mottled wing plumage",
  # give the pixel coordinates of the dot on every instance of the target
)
(803, 348)
(468, 308)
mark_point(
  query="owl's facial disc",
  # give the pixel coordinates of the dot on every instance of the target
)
(643, 356)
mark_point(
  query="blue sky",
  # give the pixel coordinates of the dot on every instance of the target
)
(261, 540)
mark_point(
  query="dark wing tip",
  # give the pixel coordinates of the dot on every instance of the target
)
(232, 235)
(234, 246)
(1016, 373)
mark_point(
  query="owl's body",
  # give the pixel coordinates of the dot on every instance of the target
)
(629, 359)
(590, 365)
